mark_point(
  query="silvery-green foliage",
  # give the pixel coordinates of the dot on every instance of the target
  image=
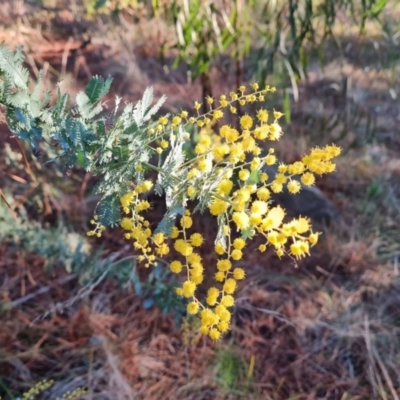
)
(111, 145)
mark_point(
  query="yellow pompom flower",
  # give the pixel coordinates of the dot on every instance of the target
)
(197, 270)
(296, 168)
(162, 250)
(208, 317)
(212, 296)
(194, 258)
(261, 132)
(223, 326)
(193, 173)
(197, 105)
(270, 159)
(183, 247)
(158, 238)
(299, 249)
(236, 254)
(294, 186)
(236, 152)
(259, 207)
(200, 149)
(219, 276)
(231, 135)
(218, 114)
(163, 120)
(308, 179)
(241, 219)
(197, 279)
(248, 143)
(193, 308)
(220, 310)
(204, 330)
(218, 206)
(204, 165)
(244, 174)
(127, 199)
(302, 224)
(225, 186)
(224, 265)
(174, 233)
(332, 151)
(188, 288)
(229, 286)
(196, 240)
(246, 122)
(214, 334)
(239, 243)
(277, 187)
(273, 219)
(275, 131)
(186, 222)
(146, 186)
(191, 191)
(255, 163)
(219, 248)
(313, 238)
(239, 274)
(142, 206)
(262, 115)
(264, 177)
(227, 300)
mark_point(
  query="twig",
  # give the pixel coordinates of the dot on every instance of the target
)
(28, 167)
(8, 205)
(65, 55)
(42, 290)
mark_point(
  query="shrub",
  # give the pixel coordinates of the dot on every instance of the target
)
(225, 177)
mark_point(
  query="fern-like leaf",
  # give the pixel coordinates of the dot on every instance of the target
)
(11, 63)
(109, 210)
(168, 222)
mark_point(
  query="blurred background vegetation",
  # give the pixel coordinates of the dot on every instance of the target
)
(82, 313)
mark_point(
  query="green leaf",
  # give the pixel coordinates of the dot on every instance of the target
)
(97, 88)
(377, 8)
(287, 107)
(81, 159)
(109, 210)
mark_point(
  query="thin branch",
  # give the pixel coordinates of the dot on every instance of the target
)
(42, 290)
(8, 205)
(28, 167)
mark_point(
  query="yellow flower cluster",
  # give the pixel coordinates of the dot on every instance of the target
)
(229, 170)
(138, 229)
(98, 228)
(74, 394)
(36, 390)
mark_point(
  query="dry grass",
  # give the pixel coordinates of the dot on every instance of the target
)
(327, 328)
